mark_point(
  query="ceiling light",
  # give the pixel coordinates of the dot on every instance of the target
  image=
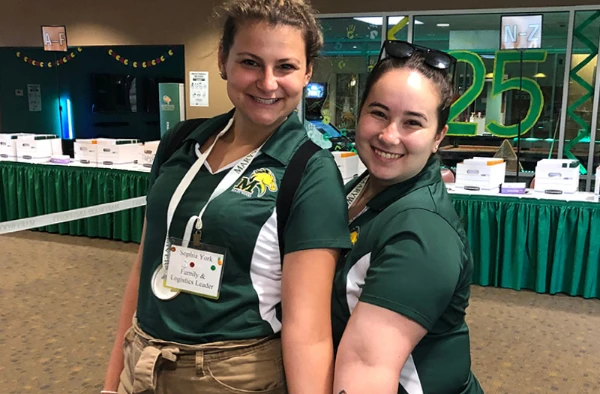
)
(489, 75)
(376, 20)
(443, 25)
(372, 20)
(540, 75)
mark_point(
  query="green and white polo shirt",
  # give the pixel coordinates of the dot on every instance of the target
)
(411, 256)
(244, 221)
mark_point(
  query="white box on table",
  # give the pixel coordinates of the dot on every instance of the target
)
(347, 163)
(8, 146)
(557, 175)
(597, 182)
(482, 173)
(121, 154)
(38, 148)
(361, 166)
(85, 152)
(146, 156)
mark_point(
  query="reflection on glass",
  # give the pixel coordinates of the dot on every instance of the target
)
(580, 109)
(479, 36)
(351, 49)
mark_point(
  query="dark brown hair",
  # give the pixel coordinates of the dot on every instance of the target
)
(440, 78)
(296, 13)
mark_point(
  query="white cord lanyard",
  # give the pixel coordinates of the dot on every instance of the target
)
(232, 176)
(353, 195)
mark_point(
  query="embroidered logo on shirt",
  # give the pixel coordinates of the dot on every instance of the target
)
(354, 236)
(262, 180)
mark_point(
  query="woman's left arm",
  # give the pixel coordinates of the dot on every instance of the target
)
(373, 350)
(306, 320)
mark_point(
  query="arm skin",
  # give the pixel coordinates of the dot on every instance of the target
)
(307, 282)
(373, 350)
(130, 298)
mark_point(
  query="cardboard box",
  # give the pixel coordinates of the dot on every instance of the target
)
(121, 155)
(146, 156)
(8, 146)
(38, 148)
(480, 173)
(87, 150)
(597, 182)
(85, 153)
(347, 163)
(557, 176)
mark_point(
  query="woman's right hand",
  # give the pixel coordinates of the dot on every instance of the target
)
(130, 298)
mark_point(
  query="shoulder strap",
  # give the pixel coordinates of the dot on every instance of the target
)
(289, 185)
(185, 129)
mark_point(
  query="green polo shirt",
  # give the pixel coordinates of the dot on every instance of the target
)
(242, 220)
(411, 256)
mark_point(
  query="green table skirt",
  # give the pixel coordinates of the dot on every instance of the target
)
(542, 245)
(31, 190)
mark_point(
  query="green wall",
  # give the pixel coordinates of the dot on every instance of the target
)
(73, 80)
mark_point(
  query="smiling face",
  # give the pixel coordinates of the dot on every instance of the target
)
(398, 127)
(266, 70)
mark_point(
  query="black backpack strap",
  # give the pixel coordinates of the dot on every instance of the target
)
(180, 133)
(289, 185)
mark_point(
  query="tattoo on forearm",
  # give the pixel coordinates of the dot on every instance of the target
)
(342, 392)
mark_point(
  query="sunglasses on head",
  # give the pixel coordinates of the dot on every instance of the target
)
(404, 50)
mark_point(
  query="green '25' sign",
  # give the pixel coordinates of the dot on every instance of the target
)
(499, 85)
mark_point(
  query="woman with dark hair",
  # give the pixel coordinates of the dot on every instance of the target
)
(401, 293)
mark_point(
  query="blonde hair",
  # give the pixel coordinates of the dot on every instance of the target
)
(296, 13)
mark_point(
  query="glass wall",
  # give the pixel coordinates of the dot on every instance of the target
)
(582, 82)
(490, 108)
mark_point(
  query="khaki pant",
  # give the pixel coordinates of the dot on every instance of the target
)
(160, 367)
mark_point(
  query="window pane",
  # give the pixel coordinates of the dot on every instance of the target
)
(477, 37)
(351, 46)
(581, 88)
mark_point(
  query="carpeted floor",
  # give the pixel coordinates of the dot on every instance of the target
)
(59, 299)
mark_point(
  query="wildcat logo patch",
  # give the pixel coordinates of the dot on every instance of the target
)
(261, 180)
(354, 236)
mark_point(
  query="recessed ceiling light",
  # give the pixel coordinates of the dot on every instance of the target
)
(376, 20)
(354, 46)
(443, 24)
(372, 20)
(540, 75)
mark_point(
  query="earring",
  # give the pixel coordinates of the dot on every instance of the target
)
(223, 76)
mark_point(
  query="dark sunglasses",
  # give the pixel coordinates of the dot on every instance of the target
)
(404, 50)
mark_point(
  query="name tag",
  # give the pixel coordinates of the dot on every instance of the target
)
(197, 271)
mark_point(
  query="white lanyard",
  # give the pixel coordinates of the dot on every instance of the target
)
(353, 195)
(232, 176)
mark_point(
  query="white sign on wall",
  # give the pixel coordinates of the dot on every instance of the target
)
(521, 32)
(34, 96)
(199, 88)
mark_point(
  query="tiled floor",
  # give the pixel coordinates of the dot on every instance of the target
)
(59, 300)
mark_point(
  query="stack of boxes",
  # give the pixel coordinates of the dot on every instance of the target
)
(480, 173)
(107, 153)
(146, 156)
(8, 146)
(347, 163)
(38, 148)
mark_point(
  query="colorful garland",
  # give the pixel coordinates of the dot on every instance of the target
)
(146, 64)
(50, 64)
